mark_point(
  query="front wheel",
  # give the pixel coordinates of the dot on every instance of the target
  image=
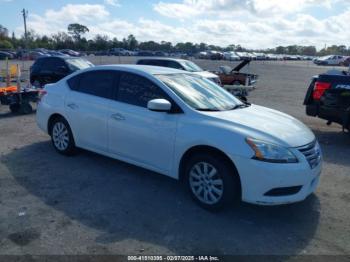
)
(212, 181)
(62, 137)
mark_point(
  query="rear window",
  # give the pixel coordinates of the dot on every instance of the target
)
(78, 64)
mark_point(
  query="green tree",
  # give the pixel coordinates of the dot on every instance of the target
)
(77, 30)
(3, 32)
(5, 44)
(131, 42)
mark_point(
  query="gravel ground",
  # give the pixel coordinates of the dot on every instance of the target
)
(90, 204)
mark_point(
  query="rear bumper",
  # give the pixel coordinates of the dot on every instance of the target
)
(333, 114)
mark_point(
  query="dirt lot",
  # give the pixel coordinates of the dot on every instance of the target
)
(89, 204)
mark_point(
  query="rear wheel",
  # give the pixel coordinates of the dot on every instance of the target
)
(14, 108)
(212, 182)
(62, 137)
(25, 108)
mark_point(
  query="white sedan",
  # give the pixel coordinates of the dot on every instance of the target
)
(186, 127)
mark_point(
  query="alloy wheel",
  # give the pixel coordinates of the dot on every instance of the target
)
(206, 183)
(60, 136)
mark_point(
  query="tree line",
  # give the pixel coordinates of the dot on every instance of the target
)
(74, 39)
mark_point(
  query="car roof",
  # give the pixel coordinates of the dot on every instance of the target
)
(59, 56)
(153, 70)
(163, 58)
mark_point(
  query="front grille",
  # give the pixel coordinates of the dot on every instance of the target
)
(312, 152)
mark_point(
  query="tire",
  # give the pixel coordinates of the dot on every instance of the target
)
(61, 137)
(14, 108)
(25, 108)
(212, 181)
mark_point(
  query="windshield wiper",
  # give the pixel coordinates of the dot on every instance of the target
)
(240, 106)
(208, 109)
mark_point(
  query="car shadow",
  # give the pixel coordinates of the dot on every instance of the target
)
(9, 114)
(335, 146)
(122, 202)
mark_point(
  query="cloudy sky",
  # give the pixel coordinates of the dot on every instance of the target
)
(250, 23)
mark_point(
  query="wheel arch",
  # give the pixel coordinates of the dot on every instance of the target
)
(208, 149)
(51, 120)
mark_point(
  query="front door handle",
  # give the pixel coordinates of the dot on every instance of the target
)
(72, 106)
(118, 117)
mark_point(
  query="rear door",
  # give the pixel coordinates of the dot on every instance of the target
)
(87, 106)
(137, 134)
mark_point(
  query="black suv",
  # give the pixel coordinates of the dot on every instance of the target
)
(328, 97)
(51, 69)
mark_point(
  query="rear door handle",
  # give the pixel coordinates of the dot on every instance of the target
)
(72, 106)
(118, 117)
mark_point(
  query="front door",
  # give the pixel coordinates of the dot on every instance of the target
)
(136, 133)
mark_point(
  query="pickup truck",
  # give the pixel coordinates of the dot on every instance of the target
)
(229, 76)
(328, 97)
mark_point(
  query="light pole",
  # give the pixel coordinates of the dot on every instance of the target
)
(25, 15)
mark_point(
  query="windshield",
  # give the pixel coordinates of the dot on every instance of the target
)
(200, 93)
(78, 64)
(326, 57)
(191, 67)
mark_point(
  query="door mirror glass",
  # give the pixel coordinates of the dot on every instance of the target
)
(159, 105)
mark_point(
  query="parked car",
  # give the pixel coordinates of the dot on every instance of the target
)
(4, 55)
(347, 61)
(145, 53)
(229, 76)
(185, 127)
(202, 55)
(119, 52)
(215, 55)
(47, 70)
(70, 52)
(328, 97)
(231, 56)
(332, 60)
(180, 64)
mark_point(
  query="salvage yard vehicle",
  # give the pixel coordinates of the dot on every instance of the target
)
(51, 69)
(186, 127)
(229, 76)
(328, 97)
(180, 64)
(331, 60)
(18, 101)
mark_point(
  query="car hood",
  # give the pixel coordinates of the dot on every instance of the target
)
(206, 74)
(266, 124)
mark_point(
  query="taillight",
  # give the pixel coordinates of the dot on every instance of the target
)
(319, 89)
(41, 94)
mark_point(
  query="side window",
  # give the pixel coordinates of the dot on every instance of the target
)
(97, 83)
(52, 64)
(73, 83)
(137, 90)
(174, 64)
(142, 62)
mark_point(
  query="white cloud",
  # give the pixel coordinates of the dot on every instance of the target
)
(242, 27)
(112, 2)
(190, 8)
(53, 21)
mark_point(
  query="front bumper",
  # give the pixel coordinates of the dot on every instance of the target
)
(258, 178)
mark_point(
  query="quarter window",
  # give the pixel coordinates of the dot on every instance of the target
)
(137, 90)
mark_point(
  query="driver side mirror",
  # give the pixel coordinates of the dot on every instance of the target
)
(159, 105)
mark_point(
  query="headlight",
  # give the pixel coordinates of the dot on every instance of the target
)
(271, 153)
